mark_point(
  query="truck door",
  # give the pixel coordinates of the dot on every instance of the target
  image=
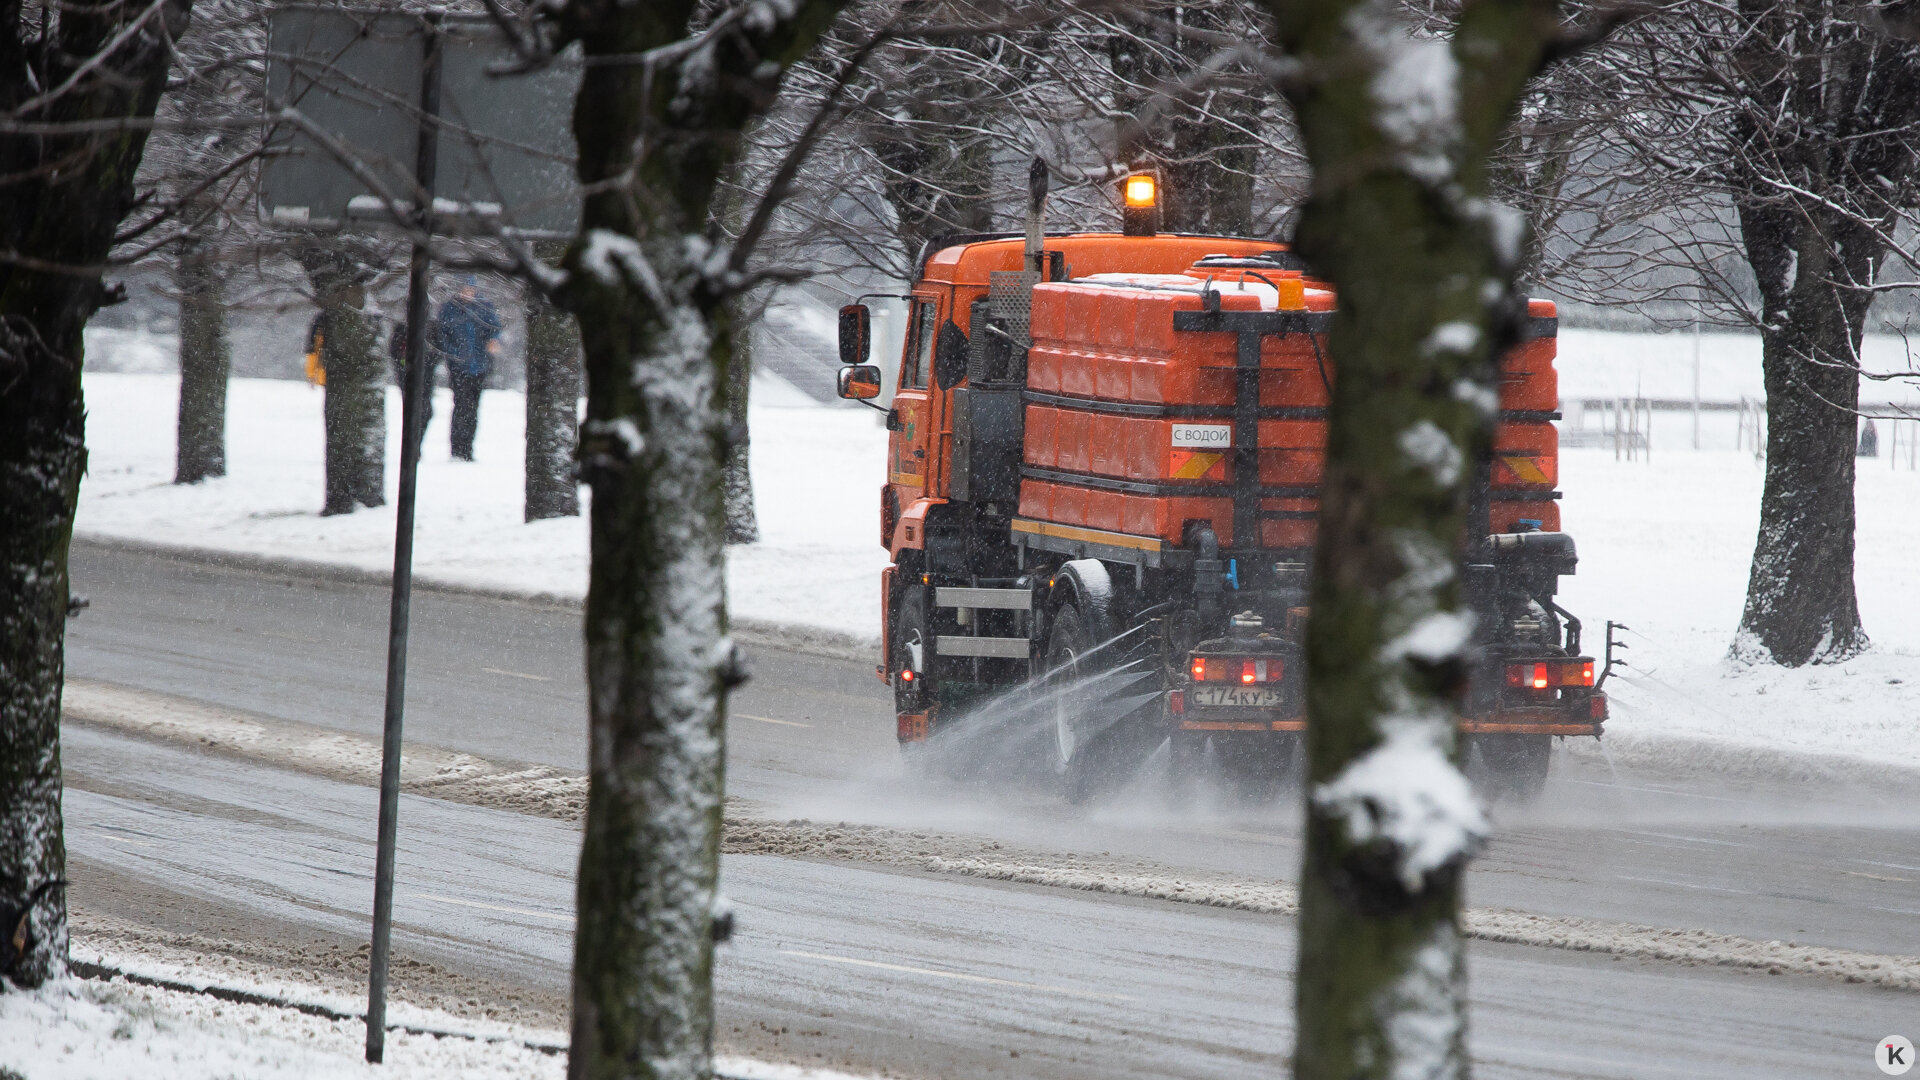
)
(914, 444)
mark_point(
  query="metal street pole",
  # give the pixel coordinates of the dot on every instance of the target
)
(412, 422)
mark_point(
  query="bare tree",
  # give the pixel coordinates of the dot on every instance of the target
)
(553, 405)
(347, 337)
(75, 80)
(1752, 161)
(1192, 109)
(661, 109)
(206, 358)
(195, 182)
(936, 137)
(1828, 131)
(1398, 127)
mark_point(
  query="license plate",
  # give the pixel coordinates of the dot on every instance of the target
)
(1235, 697)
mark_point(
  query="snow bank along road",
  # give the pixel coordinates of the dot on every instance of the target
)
(934, 974)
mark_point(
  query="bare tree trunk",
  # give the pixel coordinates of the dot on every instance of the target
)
(201, 441)
(1801, 605)
(743, 524)
(65, 197)
(650, 304)
(1398, 132)
(553, 408)
(42, 456)
(355, 409)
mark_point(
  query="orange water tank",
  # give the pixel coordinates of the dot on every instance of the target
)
(1129, 422)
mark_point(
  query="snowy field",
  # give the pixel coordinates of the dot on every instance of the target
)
(1664, 542)
(1664, 548)
(817, 473)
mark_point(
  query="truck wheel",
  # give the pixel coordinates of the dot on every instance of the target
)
(911, 639)
(1511, 767)
(1091, 743)
(1068, 719)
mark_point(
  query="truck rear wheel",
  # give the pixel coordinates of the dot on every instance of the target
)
(1512, 767)
(1071, 714)
(1095, 737)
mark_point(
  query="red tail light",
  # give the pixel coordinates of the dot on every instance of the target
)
(1550, 674)
(1247, 670)
(1177, 702)
(906, 675)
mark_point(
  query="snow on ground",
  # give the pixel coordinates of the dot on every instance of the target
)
(83, 1030)
(74, 1029)
(163, 1023)
(817, 475)
(1664, 542)
(1664, 548)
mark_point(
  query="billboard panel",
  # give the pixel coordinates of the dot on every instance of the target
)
(505, 141)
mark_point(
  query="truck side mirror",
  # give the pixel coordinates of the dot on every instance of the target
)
(856, 334)
(860, 382)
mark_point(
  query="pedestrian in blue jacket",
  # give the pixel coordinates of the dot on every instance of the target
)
(466, 334)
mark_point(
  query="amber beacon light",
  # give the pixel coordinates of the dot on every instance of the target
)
(1140, 204)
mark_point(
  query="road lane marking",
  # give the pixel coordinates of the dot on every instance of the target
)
(112, 834)
(515, 674)
(771, 720)
(1686, 839)
(1876, 877)
(952, 975)
(1685, 885)
(1888, 865)
(494, 907)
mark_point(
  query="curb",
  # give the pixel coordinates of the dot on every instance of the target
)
(99, 972)
(793, 637)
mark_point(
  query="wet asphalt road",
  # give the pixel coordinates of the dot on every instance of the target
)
(924, 975)
(1081, 984)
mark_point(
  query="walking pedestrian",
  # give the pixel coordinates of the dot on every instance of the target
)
(466, 332)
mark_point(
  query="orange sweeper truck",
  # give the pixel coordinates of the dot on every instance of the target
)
(1102, 483)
